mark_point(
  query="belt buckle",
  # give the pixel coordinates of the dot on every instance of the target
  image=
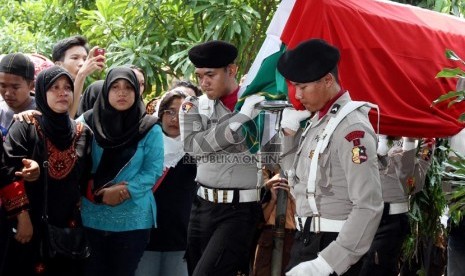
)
(301, 224)
(215, 195)
(205, 193)
(316, 224)
(308, 194)
(225, 196)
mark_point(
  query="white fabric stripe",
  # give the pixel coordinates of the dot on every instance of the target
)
(272, 42)
(244, 195)
(325, 225)
(321, 146)
(398, 208)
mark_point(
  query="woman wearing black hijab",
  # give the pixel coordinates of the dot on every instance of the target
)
(89, 97)
(68, 147)
(120, 209)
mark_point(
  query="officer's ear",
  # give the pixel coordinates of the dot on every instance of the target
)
(231, 70)
(329, 79)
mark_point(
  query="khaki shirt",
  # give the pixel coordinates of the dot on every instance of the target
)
(222, 156)
(347, 183)
(402, 173)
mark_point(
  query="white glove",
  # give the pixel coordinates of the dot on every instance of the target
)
(383, 147)
(316, 267)
(408, 143)
(249, 105)
(291, 118)
(248, 111)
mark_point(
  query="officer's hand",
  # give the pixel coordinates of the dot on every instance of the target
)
(248, 107)
(26, 116)
(30, 171)
(24, 228)
(317, 267)
(247, 111)
(291, 118)
(383, 147)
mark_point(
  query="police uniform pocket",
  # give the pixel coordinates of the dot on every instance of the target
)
(324, 169)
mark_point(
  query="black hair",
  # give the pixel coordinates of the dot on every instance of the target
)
(134, 67)
(60, 48)
(335, 73)
(188, 84)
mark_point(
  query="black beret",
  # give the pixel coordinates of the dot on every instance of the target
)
(309, 61)
(17, 64)
(213, 54)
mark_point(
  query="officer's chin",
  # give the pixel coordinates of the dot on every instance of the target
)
(212, 95)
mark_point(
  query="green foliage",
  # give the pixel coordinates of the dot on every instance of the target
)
(427, 206)
(154, 35)
(454, 173)
(453, 7)
(452, 97)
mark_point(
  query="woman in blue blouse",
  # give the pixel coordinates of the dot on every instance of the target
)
(127, 153)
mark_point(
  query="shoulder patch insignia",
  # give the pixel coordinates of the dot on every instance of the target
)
(359, 154)
(186, 106)
(358, 134)
(335, 108)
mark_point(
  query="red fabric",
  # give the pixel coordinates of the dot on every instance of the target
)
(160, 180)
(230, 100)
(390, 55)
(12, 190)
(14, 198)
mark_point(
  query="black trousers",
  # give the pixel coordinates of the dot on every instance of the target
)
(4, 236)
(383, 256)
(25, 260)
(220, 237)
(307, 245)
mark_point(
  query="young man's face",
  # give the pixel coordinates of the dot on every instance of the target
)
(314, 95)
(214, 81)
(15, 91)
(73, 60)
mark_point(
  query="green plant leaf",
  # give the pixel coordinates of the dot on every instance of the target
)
(450, 73)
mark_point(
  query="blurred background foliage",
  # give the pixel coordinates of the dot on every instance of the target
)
(152, 34)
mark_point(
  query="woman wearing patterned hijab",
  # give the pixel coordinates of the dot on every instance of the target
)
(120, 210)
(55, 138)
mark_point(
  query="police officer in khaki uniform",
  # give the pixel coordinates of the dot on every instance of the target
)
(331, 165)
(402, 172)
(226, 211)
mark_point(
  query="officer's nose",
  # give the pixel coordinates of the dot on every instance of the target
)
(298, 93)
(204, 82)
(7, 92)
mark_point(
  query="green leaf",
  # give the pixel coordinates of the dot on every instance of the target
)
(452, 55)
(462, 117)
(450, 73)
(448, 96)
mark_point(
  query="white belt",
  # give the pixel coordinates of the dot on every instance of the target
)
(320, 224)
(226, 196)
(398, 208)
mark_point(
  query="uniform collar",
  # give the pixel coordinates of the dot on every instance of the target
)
(230, 100)
(329, 104)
